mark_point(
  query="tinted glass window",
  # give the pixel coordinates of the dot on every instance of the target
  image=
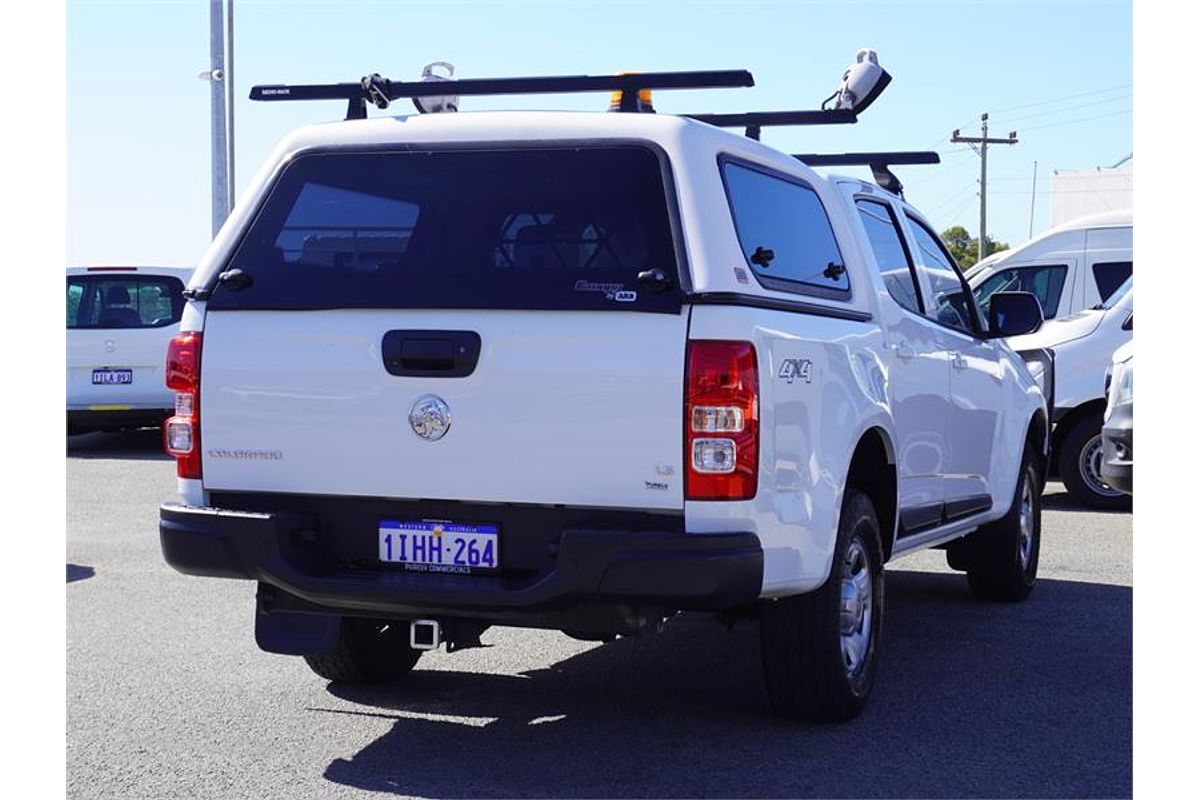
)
(890, 255)
(74, 295)
(1110, 275)
(785, 233)
(546, 228)
(1044, 281)
(950, 302)
(1119, 294)
(124, 301)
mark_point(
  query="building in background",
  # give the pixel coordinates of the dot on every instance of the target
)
(1077, 193)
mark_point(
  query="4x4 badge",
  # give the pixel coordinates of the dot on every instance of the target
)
(430, 417)
(796, 369)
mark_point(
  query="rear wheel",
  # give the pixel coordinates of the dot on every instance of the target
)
(367, 651)
(818, 649)
(1080, 458)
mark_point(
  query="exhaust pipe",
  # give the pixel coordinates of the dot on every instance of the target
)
(425, 634)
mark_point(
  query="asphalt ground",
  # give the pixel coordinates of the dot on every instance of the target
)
(168, 696)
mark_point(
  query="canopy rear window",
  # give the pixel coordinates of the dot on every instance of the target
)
(558, 228)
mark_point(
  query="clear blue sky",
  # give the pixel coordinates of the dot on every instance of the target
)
(138, 118)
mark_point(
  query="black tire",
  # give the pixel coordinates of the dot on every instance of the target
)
(808, 674)
(1081, 441)
(1001, 558)
(367, 651)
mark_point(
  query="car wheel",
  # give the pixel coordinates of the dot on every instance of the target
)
(819, 648)
(1001, 558)
(367, 651)
(1079, 462)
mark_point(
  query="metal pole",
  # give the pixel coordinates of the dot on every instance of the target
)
(983, 191)
(1032, 199)
(216, 59)
(231, 187)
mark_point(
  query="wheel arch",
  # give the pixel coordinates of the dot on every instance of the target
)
(1037, 439)
(1063, 426)
(872, 471)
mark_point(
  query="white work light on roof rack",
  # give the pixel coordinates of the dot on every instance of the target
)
(863, 81)
(434, 105)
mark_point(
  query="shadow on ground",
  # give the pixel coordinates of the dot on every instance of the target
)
(972, 700)
(139, 445)
(1062, 501)
(75, 572)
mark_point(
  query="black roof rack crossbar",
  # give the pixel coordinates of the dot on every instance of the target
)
(755, 121)
(867, 159)
(380, 91)
(878, 162)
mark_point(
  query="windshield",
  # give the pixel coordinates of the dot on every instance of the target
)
(1116, 296)
(546, 228)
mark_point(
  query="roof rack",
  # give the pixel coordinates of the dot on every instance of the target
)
(878, 162)
(380, 91)
(860, 85)
(756, 120)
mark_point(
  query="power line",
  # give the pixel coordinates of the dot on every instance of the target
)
(1065, 97)
(1065, 109)
(1083, 119)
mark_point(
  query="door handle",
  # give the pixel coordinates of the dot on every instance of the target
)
(958, 361)
(904, 350)
(430, 353)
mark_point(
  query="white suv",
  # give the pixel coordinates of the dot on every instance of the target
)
(119, 322)
(583, 371)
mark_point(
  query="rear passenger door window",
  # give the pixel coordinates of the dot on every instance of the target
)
(891, 255)
(784, 232)
(951, 303)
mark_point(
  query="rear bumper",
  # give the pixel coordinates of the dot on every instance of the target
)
(91, 419)
(669, 570)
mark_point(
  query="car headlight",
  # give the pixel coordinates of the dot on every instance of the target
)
(1123, 393)
(1120, 388)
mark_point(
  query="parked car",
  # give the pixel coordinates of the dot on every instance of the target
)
(119, 322)
(583, 371)
(1071, 268)
(1083, 344)
(1117, 467)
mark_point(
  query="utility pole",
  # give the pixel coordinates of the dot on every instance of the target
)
(983, 141)
(220, 77)
(1032, 199)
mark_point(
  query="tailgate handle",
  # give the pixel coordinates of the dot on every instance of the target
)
(430, 354)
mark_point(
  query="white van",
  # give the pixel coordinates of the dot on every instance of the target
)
(1083, 344)
(1071, 268)
(119, 321)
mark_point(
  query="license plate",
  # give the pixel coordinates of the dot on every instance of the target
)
(112, 376)
(436, 546)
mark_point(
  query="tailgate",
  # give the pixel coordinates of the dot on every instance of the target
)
(561, 407)
(556, 263)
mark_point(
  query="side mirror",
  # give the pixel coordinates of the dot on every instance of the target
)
(1013, 314)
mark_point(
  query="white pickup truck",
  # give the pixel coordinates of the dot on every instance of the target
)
(584, 371)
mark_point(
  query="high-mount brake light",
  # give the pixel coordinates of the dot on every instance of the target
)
(721, 419)
(181, 433)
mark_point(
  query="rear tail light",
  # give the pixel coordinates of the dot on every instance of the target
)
(722, 421)
(181, 433)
